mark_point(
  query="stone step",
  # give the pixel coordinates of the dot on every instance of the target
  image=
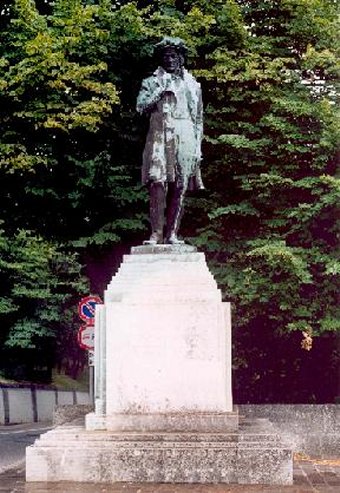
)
(135, 280)
(69, 435)
(163, 280)
(153, 295)
(70, 453)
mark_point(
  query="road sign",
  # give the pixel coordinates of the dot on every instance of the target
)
(86, 337)
(86, 308)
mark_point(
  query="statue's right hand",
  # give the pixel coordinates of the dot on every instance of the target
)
(167, 82)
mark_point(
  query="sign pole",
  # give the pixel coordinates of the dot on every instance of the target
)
(86, 311)
(90, 355)
(91, 384)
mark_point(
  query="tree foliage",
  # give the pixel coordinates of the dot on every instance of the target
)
(272, 226)
(39, 286)
(57, 137)
(71, 142)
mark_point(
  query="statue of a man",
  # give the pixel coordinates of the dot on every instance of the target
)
(172, 98)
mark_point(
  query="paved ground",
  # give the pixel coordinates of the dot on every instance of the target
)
(309, 477)
(14, 440)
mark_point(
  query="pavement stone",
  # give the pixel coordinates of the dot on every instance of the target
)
(310, 476)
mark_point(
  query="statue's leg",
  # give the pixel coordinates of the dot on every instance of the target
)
(157, 208)
(175, 208)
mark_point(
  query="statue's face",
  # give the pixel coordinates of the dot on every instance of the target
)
(171, 60)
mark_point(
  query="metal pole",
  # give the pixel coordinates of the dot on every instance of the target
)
(91, 384)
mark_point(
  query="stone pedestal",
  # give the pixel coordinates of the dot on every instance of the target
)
(163, 409)
(166, 339)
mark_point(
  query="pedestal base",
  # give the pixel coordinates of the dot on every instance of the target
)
(174, 422)
(254, 455)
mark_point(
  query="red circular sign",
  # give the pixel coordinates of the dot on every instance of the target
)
(86, 308)
(86, 337)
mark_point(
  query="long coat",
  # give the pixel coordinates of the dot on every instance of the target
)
(173, 145)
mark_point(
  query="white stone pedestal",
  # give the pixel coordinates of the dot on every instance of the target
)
(166, 339)
(164, 409)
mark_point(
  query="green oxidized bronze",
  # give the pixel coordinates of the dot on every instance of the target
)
(173, 99)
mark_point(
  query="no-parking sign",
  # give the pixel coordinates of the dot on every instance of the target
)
(86, 308)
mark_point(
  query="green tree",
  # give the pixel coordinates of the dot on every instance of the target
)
(40, 285)
(57, 137)
(272, 136)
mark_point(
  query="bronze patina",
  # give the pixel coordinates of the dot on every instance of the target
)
(171, 159)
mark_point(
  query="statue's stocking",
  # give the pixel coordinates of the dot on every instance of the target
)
(175, 208)
(157, 208)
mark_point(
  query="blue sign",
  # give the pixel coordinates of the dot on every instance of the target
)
(86, 308)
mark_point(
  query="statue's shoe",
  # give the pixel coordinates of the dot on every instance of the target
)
(173, 240)
(155, 238)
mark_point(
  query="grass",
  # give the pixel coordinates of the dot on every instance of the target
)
(6, 380)
(59, 381)
(64, 382)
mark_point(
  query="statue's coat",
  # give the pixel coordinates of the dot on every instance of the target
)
(173, 145)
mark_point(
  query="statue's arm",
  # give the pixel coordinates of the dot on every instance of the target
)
(150, 93)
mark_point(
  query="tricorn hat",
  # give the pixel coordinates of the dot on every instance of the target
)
(169, 42)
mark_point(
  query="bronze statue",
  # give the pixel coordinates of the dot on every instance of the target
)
(171, 159)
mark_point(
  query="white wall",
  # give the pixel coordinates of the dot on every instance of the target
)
(29, 405)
